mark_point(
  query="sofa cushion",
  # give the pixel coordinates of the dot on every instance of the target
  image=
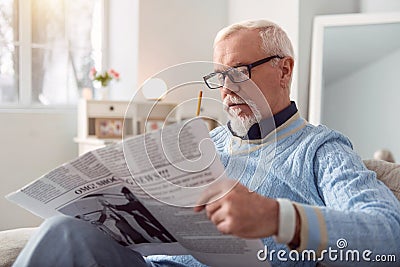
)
(387, 172)
(11, 243)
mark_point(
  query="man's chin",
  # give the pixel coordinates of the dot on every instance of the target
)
(241, 124)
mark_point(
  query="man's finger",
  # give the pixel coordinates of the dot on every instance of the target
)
(215, 191)
(218, 217)
(199, 208)
(212, 207)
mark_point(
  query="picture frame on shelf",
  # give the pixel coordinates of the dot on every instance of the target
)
(153, 124)
(109, 127)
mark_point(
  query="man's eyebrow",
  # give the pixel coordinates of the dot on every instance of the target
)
(238, 64)
(224, 68)
(221, 69)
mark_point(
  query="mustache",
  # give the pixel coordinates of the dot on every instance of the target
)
(229, 100)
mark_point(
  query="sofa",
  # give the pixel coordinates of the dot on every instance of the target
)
(12, 241)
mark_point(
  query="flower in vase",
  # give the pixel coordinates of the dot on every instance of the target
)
(104, 78)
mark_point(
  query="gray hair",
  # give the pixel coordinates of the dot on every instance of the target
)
(274, 40)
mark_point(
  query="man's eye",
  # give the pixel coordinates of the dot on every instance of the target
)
(242, 70)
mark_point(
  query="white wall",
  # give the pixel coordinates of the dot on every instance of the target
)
(177, 31)
(308, 10)
(123, 46)
(363, 107)
(32, 143)
(376, 6)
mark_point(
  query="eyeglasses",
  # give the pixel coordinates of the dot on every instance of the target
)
(236, 74)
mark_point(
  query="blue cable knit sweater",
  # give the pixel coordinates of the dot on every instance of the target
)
(342, 205)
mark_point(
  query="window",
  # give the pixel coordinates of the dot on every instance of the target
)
(47, 48)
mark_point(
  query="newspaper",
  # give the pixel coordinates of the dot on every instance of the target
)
(141, 192)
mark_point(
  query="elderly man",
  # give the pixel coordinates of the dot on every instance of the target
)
(314, 193)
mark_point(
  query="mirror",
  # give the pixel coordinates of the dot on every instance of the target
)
(355, 79)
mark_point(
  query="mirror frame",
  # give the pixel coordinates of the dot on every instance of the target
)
(319, 25)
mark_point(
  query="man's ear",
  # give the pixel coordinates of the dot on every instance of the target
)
(286, 65)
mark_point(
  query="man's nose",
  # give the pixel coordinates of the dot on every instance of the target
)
(230, 86)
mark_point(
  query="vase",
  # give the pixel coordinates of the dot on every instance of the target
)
(101, 93)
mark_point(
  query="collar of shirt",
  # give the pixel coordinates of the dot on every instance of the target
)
(265, 126)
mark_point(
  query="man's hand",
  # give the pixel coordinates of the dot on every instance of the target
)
(237, 211)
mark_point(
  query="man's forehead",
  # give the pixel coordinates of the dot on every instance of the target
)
(237, 49)
(226, 56)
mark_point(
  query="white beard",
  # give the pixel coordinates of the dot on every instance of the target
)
(241, 124)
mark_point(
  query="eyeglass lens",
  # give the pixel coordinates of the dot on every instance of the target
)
(236, 75)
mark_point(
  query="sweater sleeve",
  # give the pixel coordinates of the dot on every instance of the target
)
(360, 212)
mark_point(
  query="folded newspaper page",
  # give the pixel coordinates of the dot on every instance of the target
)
(141, 192)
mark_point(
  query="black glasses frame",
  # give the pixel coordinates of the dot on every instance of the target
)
(248, 66)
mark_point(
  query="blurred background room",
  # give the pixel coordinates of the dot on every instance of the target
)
(49, 47)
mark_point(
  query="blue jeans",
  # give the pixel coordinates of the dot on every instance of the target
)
(66, 241)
